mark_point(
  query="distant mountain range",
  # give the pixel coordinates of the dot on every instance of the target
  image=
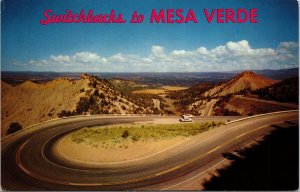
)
(184, 79)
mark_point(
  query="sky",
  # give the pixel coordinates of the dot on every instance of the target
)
(26, 45)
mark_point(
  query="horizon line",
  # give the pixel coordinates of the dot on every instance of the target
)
(232, 71)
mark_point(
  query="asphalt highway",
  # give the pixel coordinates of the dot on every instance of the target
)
(28, 163)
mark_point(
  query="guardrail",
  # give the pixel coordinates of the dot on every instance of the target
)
(265, 114)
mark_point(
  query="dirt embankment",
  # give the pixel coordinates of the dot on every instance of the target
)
(123, 144)
(251, 106)
(129, 151)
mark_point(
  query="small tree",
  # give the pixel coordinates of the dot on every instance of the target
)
(83, 105)
(14, 127)
(123, 107)
(96, 93)
(125, 134)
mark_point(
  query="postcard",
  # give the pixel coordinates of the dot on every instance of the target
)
(114, 95)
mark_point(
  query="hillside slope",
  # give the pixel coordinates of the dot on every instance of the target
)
(242, 81)
(184, 98)
(201, 99)
(283, 91)
(30, 102)
(276, 97)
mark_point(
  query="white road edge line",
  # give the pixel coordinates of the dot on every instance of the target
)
(195, 175)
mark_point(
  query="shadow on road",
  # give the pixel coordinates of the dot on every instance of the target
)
(272, 164)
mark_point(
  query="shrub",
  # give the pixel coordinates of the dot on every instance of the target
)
(65, 113)
(123, 107)
(101, 95)
(14, 127)
(96, 93)
(125, 134)
(135, 138)
(83, 105)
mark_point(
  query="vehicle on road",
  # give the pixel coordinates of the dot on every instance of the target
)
(186, 118)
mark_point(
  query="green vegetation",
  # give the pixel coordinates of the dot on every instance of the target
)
(220, 111)
(126, 87)
(118, 135)
(104, 97)
(283, 91)
(145, 100)
(184, 98)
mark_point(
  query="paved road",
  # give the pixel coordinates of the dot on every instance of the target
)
(28, 162)
(209, 107)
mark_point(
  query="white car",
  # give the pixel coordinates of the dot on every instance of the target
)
(185, 119)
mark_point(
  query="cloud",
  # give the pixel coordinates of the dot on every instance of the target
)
(158, 51)
(230, 56)
(287, 47)
(60, 58)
